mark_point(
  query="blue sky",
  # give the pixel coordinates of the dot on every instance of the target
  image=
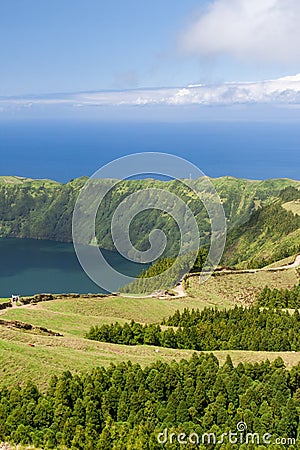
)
(64, 47)
(117, 61)
(76, 45)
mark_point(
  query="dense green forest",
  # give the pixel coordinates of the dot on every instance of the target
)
(211, 329)
(280, 298)
(125, 407)
(260, 230)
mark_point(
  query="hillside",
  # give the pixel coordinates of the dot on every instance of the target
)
(238, 288)
(271, 233)
(42, 209)
(30, 354)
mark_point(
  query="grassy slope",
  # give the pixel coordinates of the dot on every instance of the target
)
(292, 206)
(54, 355)
(73, 317)
(8, 180)
(240, 288)
(283, 262)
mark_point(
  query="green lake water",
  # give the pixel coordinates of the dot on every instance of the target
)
(29, 266)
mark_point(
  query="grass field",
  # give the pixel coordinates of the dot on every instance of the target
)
(230, 289)
(26, 354)
(293, 206)
(283, 262)
(72, 318)
(52, 355)
(76, 315)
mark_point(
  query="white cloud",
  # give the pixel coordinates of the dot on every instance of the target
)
(264, 31)
(281, 91)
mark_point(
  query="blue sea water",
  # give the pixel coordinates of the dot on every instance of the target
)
(64, 150)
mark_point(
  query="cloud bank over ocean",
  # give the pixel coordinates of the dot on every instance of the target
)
(282, 91)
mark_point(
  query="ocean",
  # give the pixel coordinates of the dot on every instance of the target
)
(64, 150)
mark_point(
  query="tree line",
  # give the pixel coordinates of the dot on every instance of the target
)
(211, 329)
(125, 406)
(280, 298)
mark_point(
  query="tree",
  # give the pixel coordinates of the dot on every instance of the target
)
(43, 413)
(78, 441)
(288, 424)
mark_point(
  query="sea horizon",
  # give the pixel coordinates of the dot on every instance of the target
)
(64, 150)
